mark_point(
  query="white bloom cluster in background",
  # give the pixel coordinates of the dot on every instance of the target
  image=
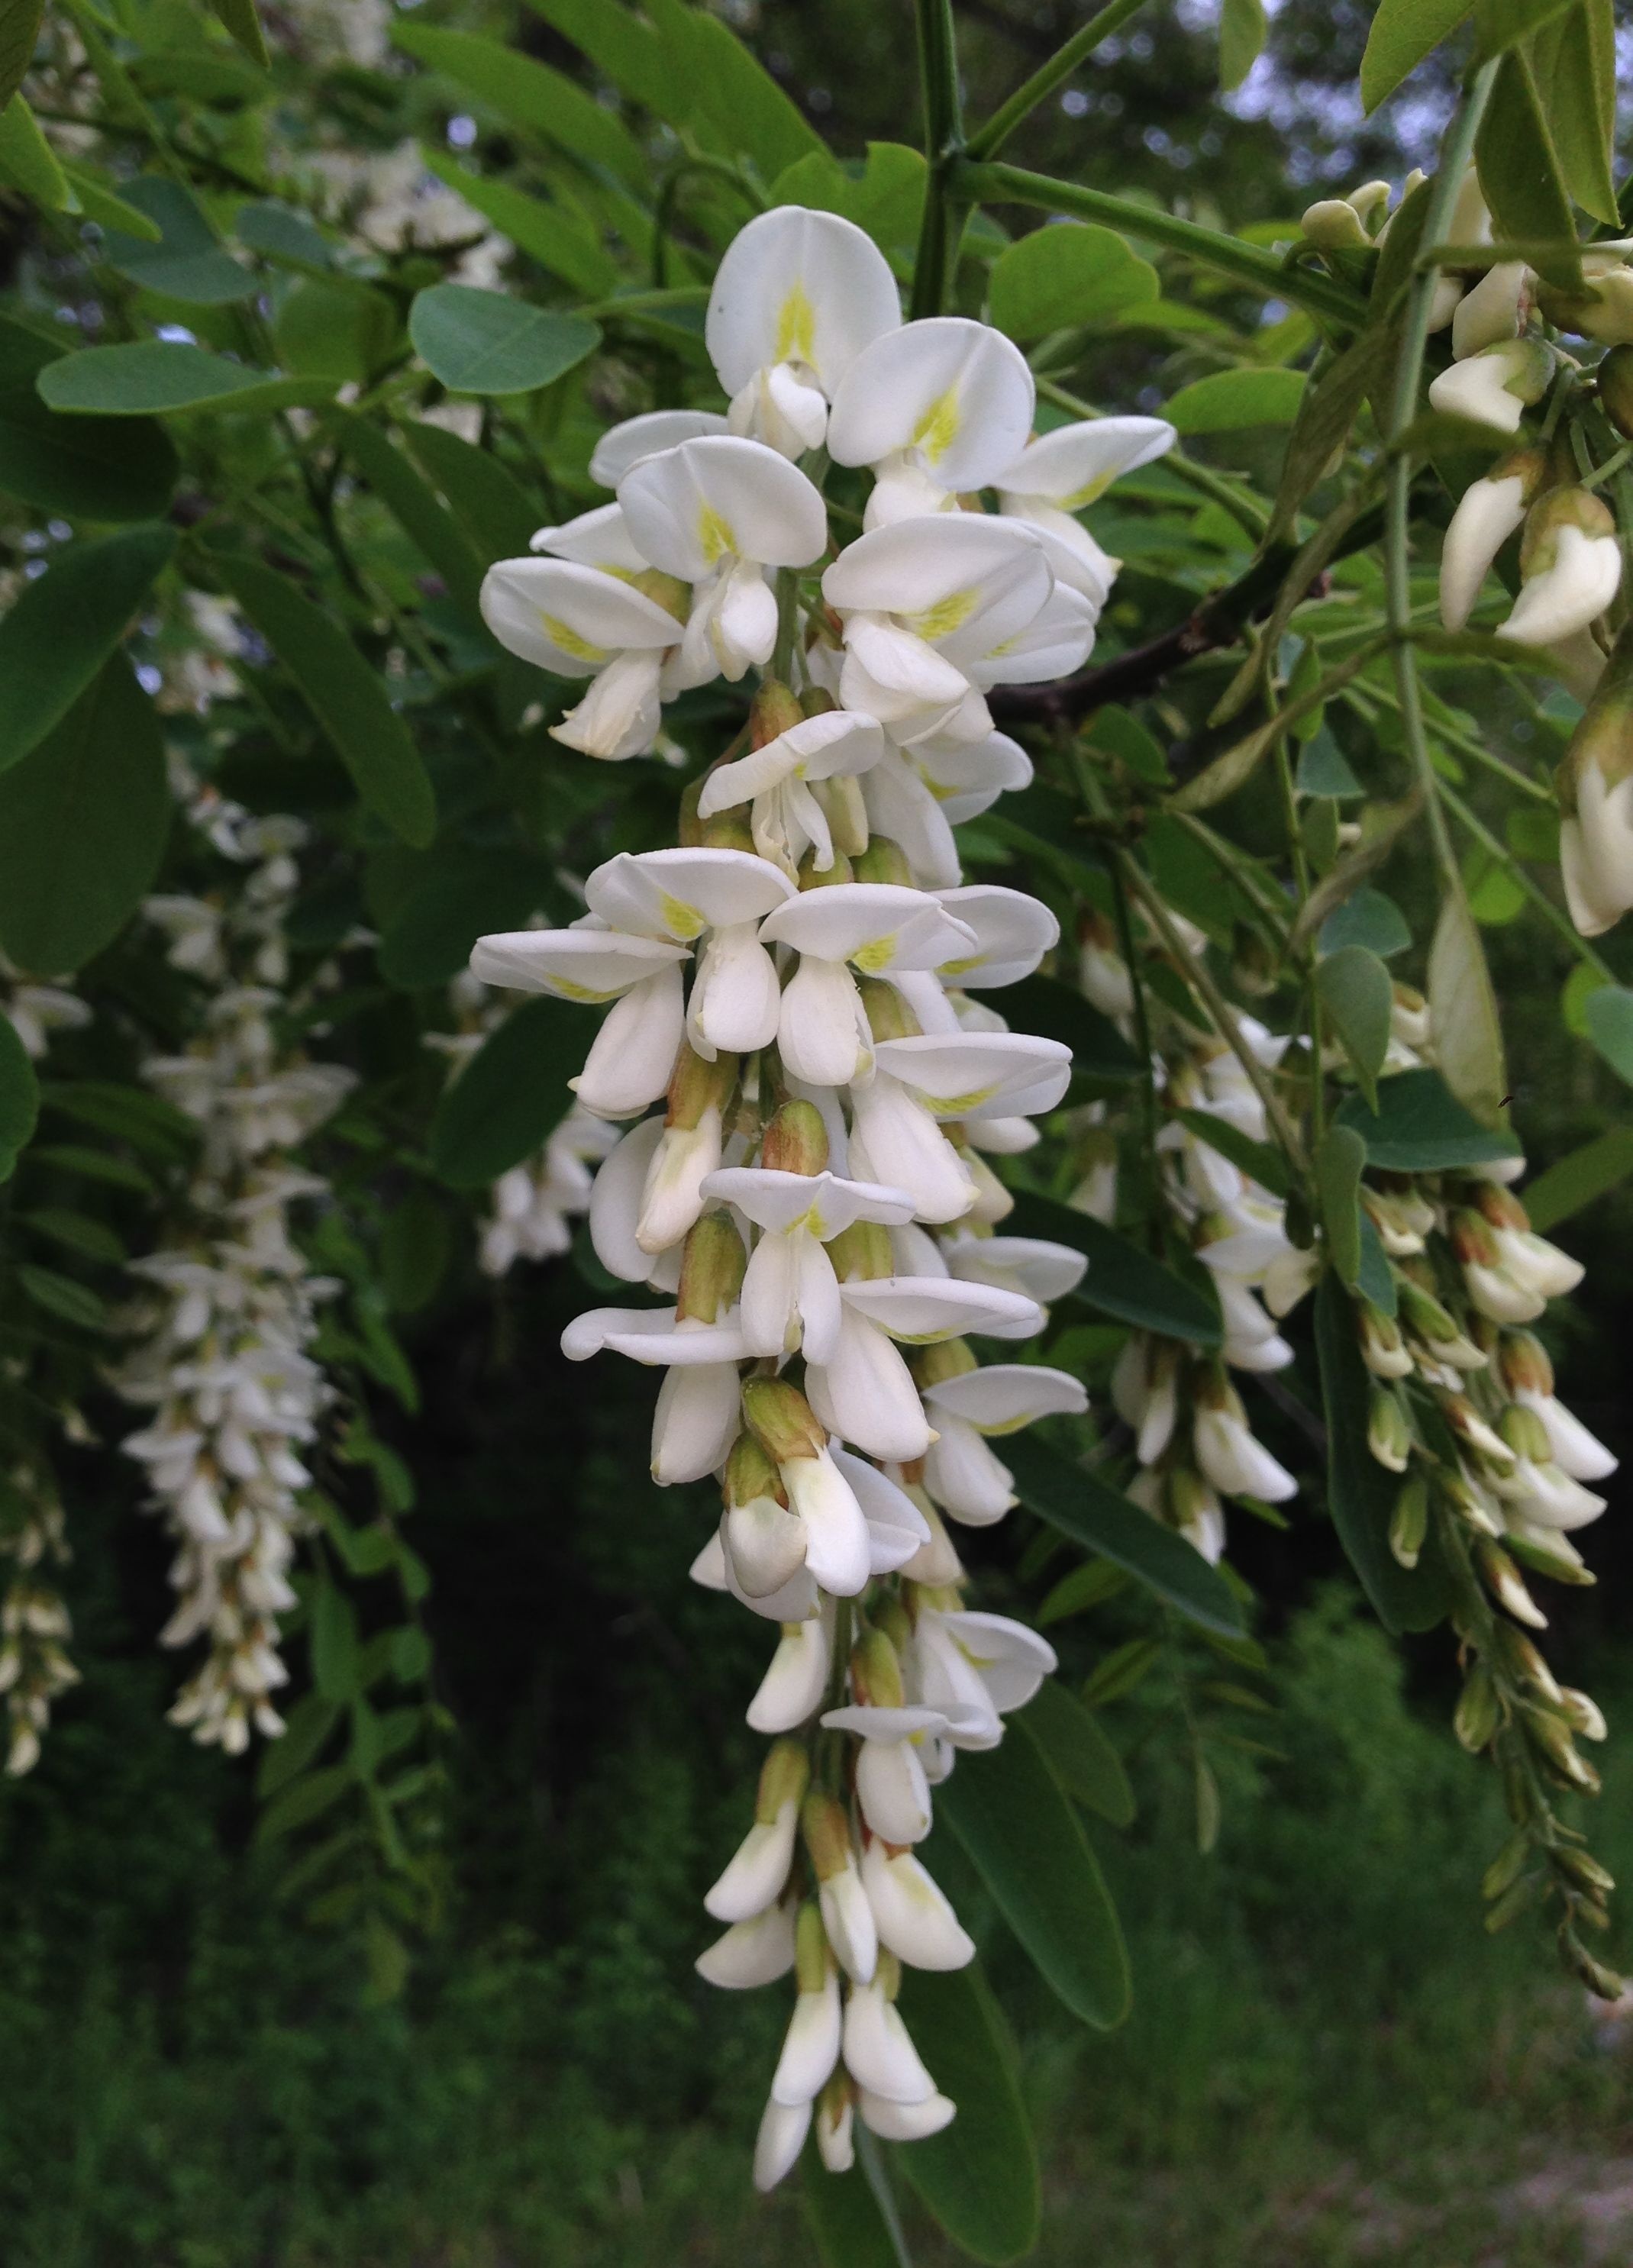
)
(802, 983)
(34, 1626)
(220, 1356)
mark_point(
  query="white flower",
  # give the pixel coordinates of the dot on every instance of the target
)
(715, 512)
(751, 1953)
(975, 1668)
(961, 1473)
(787, 818)
(1229, 1455)
(1061, 473)
(879, 2053)
(797, 298)
(790, 1294)
(933, 408)
(624, 446)
(914, 1919)
(1493, 386)
(822, 1032)
(1487, 513)
(576, 621)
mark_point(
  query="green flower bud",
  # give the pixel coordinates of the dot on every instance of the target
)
(782, 1420)
(884, 861)
(1614, 376)
(1476, 1718)
(712, 1265)
(813, 876)
(825, 1827)
(774, 711)
(812, 1958)
(750, 1474)
(1408, 1524)
(861, 1253)
(876, 1673)
(783, 1778)
(888, 1014)
(795, 1140)
(932, 1366)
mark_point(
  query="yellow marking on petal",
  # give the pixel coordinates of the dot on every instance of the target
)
(960, 968)
(560, 634)
(996, 1431)
(715, 535)
(564, 988)
(796, 328)
(679, 920)
(938, 428)
(918, 1338)
(1090, 494)
(956, 1106)
(946, 616)
(877, 954)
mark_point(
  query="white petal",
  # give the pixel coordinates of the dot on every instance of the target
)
(847, 1919)
(836, 1550)
(962, 581)
(754, 1880)
(593, 965)
(964, 1477)
(821, 1027)
(879, 2053)
(782, 2136)
(922, 1310)
(915, 1920)
(1075, 464)
(736, 1001)
(695, 1423)
(1574, 591)
(976, 1070)
(903, 1145)
(632, 1060)
(679, 893)
(905, 2122)
(1013, 933)
(792, 1688)
(811, 2046)
(697, 504)
(622, 446)
(1007, 1395)
(1487, 515)
(879, 925)
(957, 392)
(1033, 1265)
(615, 1203)
(599, 539)
(864, 1393)
(798, 286)
(818, 748)
(567, 618)
(752, 1953)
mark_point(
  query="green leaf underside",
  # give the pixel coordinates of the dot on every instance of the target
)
(65, 624)
(189, 263)
(82, 467)
(847, 2226)
(1576, 1180)
(1093, 1515)
(484, 342)
(1078, 1753)
(511, 1095)
(979, 2176)
(1404, 33)
(1121, 1280)
(1420, 1127)
(83, 819)
(1361, 1493)
(150, 376)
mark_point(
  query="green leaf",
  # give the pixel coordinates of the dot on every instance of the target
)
(348, 699)
(65, 624)
(149, 1124)
(461, 896)
(548, 233)
(1369, 918)
(1519, 169)
(847, 2226)
(1261, 1162)
(1324, 769)
(28, 161)
(1326, 413)
(308, 1725)
(1121, 1280)
(747, 108)
(1086, 1509)
(81, 467)
(239, 17)
(335, 331)
(1358, 997)
(1500, 25)
(1576, 1181)
(490, 504)
(1241, 37)
(304, 1800)
(84, 821)
(884, 195)
(1462, 1008)
(92, 1165)
(1067, 273)
(278, 233)
(1608, 1015)
(511, 1095)
(483, 342)
(623, 48)
(414, 1244)
(1575, 58)
(152, 376)
(427, 522)
(334, 1641)
(71, 1302)
(978, 2177)
(1404, 33)
(1420, 1127)
(531, 95)
(1056, 1011)
(1361, 1493)
(1078, 1754)
(19, 1097)
(187, 263)
(1229, 400)
(1028, 1846)
(98, 202)
(1339, 1159)
(19, 29)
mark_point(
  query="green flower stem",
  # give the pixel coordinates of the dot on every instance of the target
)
(1557, 915)
(945, 207)
(1208, 247)
(1454, 156)
(991, 139)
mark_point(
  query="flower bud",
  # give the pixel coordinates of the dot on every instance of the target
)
(1502, 1579)
(784, 1778)
(1493, 309)
(1493, 386)
(888, 1014)
(1525, 1434)
(1409, 1523)
(1523, 1363)
(1602, 309)
(876, 1672)
(1569, 567)
(1595, 784)
(1388, 1434)
(934, 1365)
(1552, 1738)
(697, 1087)
(1583, 1713)
(861, 1253)
(825, 1826)
(782, 1420)
(1584, 1869)
(811, 1953)
(774, 711)
(1487, 515)
(1333, 224)
(1614, 376)
(813, 876)
(1523, 1660)
(883, 861)
(795, 1140)
(1383, 1349)
(712, 1261)
(1475, 1716)
(845, 811)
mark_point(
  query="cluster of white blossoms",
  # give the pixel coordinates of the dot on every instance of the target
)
(34, 1626)
(221, 1340)
(534, 1205)
(802, 983)
(36, 1009)
(1192, 1438)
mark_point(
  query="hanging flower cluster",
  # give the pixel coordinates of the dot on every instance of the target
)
(221, 1355)
(814, 1199)
(34, 1626)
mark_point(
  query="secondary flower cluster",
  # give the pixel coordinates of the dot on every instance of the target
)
(801, 984)
(34, 1666)
(221, 1354)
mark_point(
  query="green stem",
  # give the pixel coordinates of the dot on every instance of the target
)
(1556, 916)
(1454, 156)
(991, 139)
(1208, 247)
(1462, 743)
(943, 224)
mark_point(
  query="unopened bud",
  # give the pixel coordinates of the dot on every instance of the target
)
(888, 1014)
(813, 876)
(817, 700)
(891, 1616)
(1383, 1349)
(812, 1958)
(1551, 1736)
(845, 810)
(1502, 1579)
(728, 830)
(1522, 1659)
(1506, 1868)
(1512, 1901)
(827, 1830)
(1614, 379)
(1476, 1718)
(1409, 1523)
(1333, 224)
(876, 1673)
(782, 1421)
(774, 711)
(712, 1264)
(750, 1474)
(1388, 1433)
(1493, 386)
(698, 1087)
(1472, 1238)
(1569, 567)
(784, 1778)
(884, 861)
(934, 1365)
(795, 1140)
(691, 825)
(1523, 1363)
(1602, 308)
(1525, 1433)
(861, 1253)
(1603, 1982)
(1584, 1869)
(1424, 1312)
(1583, 1713)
